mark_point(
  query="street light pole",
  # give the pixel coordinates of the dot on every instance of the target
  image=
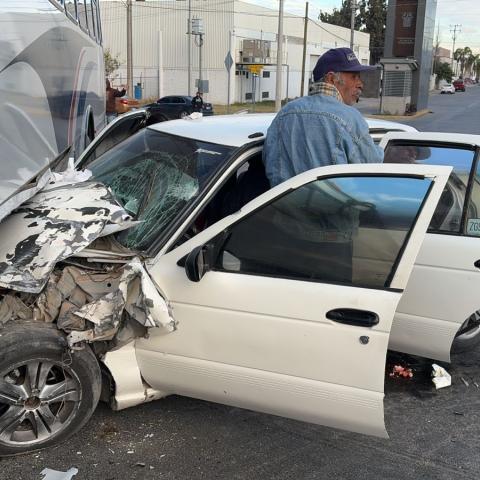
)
(278, 83)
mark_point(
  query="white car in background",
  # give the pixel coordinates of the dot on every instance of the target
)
(448, 88)
(177, 270)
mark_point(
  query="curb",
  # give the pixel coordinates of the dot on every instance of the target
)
(419, 114)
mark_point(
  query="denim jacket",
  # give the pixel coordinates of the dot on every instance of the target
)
(315, 131)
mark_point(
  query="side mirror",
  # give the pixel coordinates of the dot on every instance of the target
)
(196, 264)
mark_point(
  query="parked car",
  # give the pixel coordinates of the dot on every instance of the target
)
(175, 106)
(459, 85)
(448, 88)
(125, 104)
(179, 271)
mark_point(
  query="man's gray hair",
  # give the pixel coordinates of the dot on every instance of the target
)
(336, 76)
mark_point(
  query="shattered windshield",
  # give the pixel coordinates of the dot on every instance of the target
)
(154, 175)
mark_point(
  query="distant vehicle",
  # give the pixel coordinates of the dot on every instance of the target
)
(52, 85)
(175, 106)
(125, 104)
(448, 88)
(459, 85)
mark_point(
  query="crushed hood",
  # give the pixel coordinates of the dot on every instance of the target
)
(58, 222)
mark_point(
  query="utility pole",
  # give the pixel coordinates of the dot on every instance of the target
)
(454, 37)
(353, 4)
(278, 83)
(189, 50)
(129, 49)
(197, 30)
(305, 32)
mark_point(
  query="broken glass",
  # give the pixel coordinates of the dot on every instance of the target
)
(154, 176)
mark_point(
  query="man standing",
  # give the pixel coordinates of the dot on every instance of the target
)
(111, 94)
(197, 102)
(323, 128)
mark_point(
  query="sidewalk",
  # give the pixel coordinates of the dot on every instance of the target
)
(371, 107)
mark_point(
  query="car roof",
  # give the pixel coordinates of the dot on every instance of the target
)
(237, 130)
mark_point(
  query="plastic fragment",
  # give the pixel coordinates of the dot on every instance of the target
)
(399, 371)
(441, 378)
(56, 475)
(465, 382)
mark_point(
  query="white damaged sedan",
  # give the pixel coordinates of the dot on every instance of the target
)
(175, 269)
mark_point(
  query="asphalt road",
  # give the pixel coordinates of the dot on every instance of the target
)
(434, 433)
(458, 113)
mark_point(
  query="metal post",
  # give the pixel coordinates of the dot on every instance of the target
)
(454, 37)
(278, 83)
(305, 29)
(229, 72)
(200, 44)
(352, 21)
(129, 49)
(189, 50)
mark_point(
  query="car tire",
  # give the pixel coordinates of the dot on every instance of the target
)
(47, 392)
(468, 338)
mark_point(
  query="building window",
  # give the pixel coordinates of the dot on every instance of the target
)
(248, 96)
(266, 74)
(265, 95)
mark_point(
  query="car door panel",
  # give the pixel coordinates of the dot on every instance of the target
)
(115, 132)
(440, 296)
(442, 291)
(265, 342)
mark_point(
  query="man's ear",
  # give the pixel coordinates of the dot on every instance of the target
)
(330, 77)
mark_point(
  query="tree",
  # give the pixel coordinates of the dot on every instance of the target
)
(111, 62)
(340, 16)
(469, 63)
(371, 18)
(461, 55)
(443, 71)
(476, 67)
(373, 15)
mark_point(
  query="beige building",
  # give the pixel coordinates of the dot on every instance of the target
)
(247, 31)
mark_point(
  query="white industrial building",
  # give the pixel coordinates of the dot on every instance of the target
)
(247, 31)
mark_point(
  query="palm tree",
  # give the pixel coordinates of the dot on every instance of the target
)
(476, 68)
(467, 52)
(458, 57)
(470, 62)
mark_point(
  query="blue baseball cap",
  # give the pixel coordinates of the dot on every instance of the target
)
(338, 60)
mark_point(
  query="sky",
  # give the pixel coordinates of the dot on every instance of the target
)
(449, 12)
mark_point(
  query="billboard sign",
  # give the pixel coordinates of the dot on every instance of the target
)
(405, 28)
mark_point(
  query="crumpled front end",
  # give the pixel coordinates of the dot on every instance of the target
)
(111, 299)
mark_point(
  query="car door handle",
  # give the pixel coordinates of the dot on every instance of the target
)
(352, 316)
(477, 264)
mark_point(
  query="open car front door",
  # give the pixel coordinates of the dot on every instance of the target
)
(122, 127)
(290, 300)
(441, 298)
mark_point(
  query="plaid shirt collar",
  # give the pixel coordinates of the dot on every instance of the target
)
(322, 88)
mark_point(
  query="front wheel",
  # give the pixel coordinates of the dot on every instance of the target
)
(46, 393)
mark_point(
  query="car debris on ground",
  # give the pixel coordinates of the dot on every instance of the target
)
(57, 475)
(441, 378)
